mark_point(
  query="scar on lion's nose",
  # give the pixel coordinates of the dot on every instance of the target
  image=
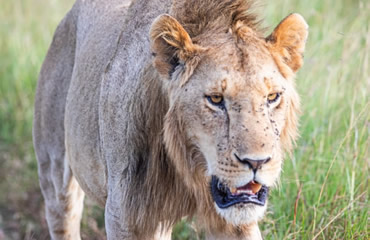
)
(253, 162)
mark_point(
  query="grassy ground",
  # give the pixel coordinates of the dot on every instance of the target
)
(324, 188)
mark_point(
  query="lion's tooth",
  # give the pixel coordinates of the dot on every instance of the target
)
(255, 187)
(246, 191)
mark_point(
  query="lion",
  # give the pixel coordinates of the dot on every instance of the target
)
(162, 110)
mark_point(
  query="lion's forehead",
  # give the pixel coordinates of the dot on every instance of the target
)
(257, 77)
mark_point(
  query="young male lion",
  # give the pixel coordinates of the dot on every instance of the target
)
(159, 110)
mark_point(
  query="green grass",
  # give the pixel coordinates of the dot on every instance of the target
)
(330, 164)
(324, 187)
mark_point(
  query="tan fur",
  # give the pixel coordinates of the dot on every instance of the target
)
(122, 108)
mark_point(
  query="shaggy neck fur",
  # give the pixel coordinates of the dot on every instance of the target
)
(163, 193)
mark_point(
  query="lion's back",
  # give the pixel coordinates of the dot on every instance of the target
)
(67, 99)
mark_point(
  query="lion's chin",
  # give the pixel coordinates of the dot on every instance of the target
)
(242, 205)
(240, 214)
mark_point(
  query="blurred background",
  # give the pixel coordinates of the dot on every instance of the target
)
(323, 192)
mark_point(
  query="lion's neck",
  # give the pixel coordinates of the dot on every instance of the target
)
(163, 195)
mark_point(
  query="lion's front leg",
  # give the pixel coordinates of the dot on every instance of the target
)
(117, 222)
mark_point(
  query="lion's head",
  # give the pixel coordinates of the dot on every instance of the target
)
(233, 106)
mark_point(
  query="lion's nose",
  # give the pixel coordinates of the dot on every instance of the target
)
(253, 162)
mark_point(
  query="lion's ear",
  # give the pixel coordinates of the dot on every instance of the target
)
(287, 42)
(171, 45)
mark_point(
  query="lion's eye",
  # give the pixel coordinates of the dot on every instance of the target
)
(215, 99)
(273, 97)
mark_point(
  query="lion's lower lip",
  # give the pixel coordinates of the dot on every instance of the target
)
(224, 198)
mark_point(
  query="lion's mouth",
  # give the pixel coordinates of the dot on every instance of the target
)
(225, 197)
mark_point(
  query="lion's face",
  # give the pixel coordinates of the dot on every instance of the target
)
(236, 113)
